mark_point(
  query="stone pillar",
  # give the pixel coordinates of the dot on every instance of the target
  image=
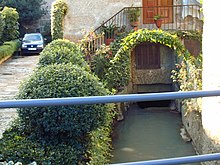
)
(211, 70)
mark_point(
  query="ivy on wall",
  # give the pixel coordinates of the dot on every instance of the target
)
(119, 71)
(59, 10)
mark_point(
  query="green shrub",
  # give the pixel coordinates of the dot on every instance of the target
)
(20, 148)
(11, 27)
(8, 48)
(62, 122)
(2, 25)
(59, 10)
(62, 52)
(100, 62)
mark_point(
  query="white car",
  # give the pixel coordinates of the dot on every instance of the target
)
(32, 43)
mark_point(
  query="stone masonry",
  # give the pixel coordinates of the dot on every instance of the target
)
(12, 73)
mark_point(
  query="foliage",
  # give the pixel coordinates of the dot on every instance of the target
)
(17, 146)
(77, 134)
(87, 44)
(133, 13)
(109, 31)
(101, 62)
(29, 11)
(62, 52)
(8, 48)
(119, 72)
(59, 10)
(11, 17)
(2, 25)
(64, 122)
(195, 35)
(188, 76)
(99, 148)
(157, 17)
(103, 56)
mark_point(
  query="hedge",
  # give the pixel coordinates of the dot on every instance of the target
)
(11, 27)
(8, 48)
(2, 25)
(62, 52)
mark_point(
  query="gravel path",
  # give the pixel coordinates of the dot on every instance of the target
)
(12, 72)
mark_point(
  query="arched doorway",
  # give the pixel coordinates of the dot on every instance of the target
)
(151, 66)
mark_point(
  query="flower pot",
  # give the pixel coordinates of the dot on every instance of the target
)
(108, 41)
(135, 24)
(135, 28)
(158, 23)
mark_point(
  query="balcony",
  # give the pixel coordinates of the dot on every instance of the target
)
(173, 18)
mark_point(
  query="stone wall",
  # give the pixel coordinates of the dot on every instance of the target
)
(154, 80)
(202, 142)
(84, 15)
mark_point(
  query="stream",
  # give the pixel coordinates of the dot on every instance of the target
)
(149, 134)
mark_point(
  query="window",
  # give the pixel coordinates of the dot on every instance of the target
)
(147, 56)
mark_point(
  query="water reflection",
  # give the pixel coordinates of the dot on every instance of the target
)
(150, 133)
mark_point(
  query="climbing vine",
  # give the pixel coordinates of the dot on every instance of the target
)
(188, 72)
(59, 10)
(119, 71)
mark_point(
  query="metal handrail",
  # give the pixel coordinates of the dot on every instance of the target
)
(106, 99)
(124, 98)
(178, 20)
(121, 15)
(178, 160)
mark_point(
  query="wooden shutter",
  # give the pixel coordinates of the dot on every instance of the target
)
(149, 10)
(147, 56)
(153, 7)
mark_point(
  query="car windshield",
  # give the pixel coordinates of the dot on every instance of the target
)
(32, 38)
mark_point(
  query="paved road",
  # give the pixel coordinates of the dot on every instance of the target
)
(12, 72)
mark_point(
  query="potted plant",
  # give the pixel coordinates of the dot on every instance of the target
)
(158, 20)
(109, 33)
(133, 14)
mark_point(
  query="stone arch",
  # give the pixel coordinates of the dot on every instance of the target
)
(119, 73)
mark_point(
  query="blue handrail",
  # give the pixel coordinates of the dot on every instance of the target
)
(124, 98)
(106, 99)
(179, 160)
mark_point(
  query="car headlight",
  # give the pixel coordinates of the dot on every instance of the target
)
(40, 46)
(24, 46)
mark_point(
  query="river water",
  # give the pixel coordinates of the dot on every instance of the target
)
(148, 134)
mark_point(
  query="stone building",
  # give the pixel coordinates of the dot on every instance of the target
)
(84, 15)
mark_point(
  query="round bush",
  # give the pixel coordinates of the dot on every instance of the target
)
(57, 81)
(62, 52)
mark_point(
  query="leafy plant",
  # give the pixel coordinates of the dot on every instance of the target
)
(11, 17)
(64, 122)
(109, 31)
(157, 17)
(19, 147)
(8, 48)
(133, 14)
(2, 25)
(101, 61)
(59, 10)
(62, 52)
(29, 11)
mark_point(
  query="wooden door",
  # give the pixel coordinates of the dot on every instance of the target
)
(155, 7)
(149, 10)
(147, 56)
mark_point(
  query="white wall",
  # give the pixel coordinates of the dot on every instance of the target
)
(211, 73)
